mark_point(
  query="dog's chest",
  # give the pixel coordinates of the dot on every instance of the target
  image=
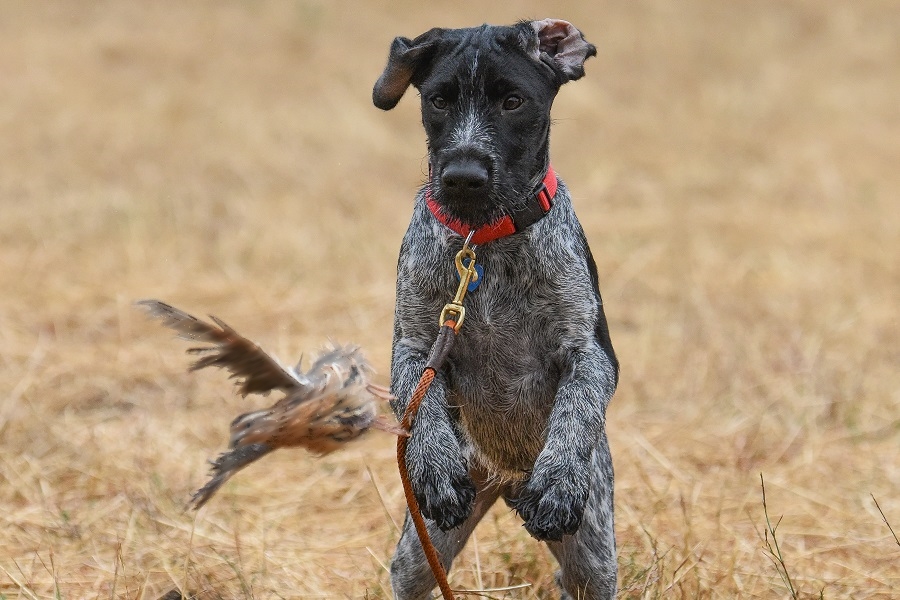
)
(507, 349)
(535, 304)
(506, 366)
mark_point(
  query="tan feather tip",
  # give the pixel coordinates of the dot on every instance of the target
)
(379, 391)
(382, 423)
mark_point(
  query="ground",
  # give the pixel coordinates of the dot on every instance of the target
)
(734, 166)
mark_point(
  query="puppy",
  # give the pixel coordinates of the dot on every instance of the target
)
(518, 410)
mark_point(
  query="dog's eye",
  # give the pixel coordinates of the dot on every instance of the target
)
(439, 103)
(512, 103)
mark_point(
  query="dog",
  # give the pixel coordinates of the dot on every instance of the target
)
(518, 410)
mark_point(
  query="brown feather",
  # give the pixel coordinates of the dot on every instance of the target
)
(255, 370)
(323, 409)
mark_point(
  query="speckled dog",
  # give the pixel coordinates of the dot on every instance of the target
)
(518, 411)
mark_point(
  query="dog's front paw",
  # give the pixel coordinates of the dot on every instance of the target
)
(551, 510)
(447, 500)
(441, 483)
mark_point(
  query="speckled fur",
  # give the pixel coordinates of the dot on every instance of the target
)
(518, 410)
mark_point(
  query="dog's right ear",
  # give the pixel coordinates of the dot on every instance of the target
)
(407, 61)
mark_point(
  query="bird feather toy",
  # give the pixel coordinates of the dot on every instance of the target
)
(322, 408)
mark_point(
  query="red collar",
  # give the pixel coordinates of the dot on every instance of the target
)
(539, 204)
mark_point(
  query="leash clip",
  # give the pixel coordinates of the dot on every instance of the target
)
(465, 266)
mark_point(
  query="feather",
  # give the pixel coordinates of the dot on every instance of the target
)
(226, 465)
(322, 409)
(255, 370)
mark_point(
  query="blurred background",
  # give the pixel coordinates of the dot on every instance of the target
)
(734, 166)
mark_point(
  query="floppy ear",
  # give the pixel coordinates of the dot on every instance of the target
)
(562, 47)
(406, 61)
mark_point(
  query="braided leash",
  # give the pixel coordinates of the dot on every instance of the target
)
(451, 321)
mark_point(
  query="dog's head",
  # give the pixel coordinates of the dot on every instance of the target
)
(486, 95)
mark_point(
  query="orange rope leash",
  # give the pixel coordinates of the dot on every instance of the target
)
(431, 553)
(451, 320)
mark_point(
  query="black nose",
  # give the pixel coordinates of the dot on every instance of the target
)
(465, 175)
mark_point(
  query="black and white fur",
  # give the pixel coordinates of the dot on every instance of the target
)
(518, 411)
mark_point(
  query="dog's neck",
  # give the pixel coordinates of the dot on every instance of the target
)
(534, 209)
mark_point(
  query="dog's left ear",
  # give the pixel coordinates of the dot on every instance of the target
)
(561, 46)
(406, 62)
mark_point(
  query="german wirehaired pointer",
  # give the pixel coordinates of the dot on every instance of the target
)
(518, 411)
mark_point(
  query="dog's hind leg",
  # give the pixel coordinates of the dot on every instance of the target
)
(411, 577)
(587, 559)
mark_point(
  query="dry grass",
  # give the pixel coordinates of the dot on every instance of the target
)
(734, 165)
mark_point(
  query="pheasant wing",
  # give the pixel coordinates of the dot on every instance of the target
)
(255, 370)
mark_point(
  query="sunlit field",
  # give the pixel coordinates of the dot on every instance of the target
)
(736, 167)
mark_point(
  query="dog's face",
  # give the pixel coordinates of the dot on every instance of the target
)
(486, 94)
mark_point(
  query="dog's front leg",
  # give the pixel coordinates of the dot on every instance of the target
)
(437, 469)
(552, 501)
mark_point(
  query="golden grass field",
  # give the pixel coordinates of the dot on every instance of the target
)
(735, 166)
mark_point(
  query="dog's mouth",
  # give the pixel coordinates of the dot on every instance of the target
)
(474, 208)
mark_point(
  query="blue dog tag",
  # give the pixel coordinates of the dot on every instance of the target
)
(473, 285)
